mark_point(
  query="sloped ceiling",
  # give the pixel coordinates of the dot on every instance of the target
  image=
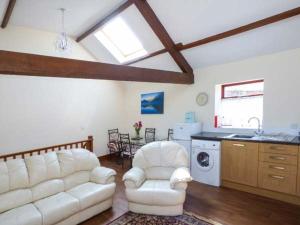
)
(185, 21)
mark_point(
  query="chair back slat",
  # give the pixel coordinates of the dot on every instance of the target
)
(170, 134)
(149, 135)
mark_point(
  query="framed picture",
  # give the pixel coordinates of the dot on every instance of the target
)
(152, 103)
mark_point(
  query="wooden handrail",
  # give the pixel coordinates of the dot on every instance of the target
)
(87, 144)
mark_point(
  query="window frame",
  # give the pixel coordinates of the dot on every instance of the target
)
(223, 87)
(113, 47)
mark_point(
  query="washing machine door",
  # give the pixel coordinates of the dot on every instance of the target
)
(204, 160)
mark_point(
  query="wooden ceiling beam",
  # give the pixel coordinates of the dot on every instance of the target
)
(226, 34)
(14, 63)
(162, 34)
(8, 13)
(242, 29)
(113, 14)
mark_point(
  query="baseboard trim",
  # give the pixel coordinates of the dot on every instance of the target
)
(293, 199)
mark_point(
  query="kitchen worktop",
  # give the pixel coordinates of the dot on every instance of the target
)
(217, 136)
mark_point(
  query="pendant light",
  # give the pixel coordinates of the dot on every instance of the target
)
(62, 42)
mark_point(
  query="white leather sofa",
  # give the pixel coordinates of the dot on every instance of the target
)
(158, 180)
(66, 187)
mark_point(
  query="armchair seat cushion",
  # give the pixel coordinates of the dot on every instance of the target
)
(57, 207)
(156, 192)
(24, 215)
(90, 194)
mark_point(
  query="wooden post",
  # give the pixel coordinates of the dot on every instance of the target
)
(90, 144)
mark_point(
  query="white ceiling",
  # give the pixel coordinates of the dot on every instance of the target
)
(44, 14)
(185, 21)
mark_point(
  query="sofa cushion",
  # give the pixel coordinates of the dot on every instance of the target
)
(76, 179)
(18, 176)
(42, 167)
(90, 194)
(75, 160)
(4, 178)
(57, 207)
(66, 162)
(24, 215)
(13, 199)
(85, 160)
(37, 169)
(156, 192)
(47, 188)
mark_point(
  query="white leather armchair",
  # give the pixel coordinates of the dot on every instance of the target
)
(158, 180)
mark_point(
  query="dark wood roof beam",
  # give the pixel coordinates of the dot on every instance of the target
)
(242, 29)
(14, 63)
(8, 13)
(238, 30)
(160, 31)
(103, 21)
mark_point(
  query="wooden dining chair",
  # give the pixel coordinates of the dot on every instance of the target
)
(149, 135)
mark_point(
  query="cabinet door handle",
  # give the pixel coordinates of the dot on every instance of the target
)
(276, 167)
(238, 145)
(276, 148)
(277, 177)
(277, 157)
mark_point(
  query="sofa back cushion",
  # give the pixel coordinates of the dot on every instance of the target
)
(75, 160)
(4, 178)
(13, 185)
(160, 159)
(42, 168)
(13, 175)
(85, 160)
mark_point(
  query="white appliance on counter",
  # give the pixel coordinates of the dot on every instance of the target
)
(206, 162)
(182, 133)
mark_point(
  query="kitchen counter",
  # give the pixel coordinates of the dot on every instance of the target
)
(217, 136)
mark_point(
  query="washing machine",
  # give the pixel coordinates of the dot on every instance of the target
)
(206, 162)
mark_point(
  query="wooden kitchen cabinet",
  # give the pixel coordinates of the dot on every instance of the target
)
(278, 168)
(240, 162)
(298, 179)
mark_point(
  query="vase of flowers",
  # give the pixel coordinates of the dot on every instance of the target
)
(137, 127)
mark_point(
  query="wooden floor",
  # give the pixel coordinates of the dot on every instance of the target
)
(223, 205)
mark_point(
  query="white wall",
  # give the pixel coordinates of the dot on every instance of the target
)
(39, 111)
(35, 112)
(281, 100)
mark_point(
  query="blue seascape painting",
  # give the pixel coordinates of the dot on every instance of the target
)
(152, 103)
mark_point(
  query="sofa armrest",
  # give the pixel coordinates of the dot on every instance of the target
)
(179, 178)
(103, 175)
(134, 178)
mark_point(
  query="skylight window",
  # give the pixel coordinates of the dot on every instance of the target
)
(120, 40)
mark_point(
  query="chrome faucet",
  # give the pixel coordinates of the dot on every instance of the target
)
(259, 130)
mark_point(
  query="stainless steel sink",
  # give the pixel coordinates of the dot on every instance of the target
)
(241, 136)
(279, 137)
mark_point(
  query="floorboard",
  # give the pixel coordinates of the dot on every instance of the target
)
(223, 205)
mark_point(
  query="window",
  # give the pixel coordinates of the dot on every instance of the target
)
(237, 102)
(120, 40)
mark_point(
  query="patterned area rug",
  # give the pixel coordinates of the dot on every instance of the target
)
(131, 218)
